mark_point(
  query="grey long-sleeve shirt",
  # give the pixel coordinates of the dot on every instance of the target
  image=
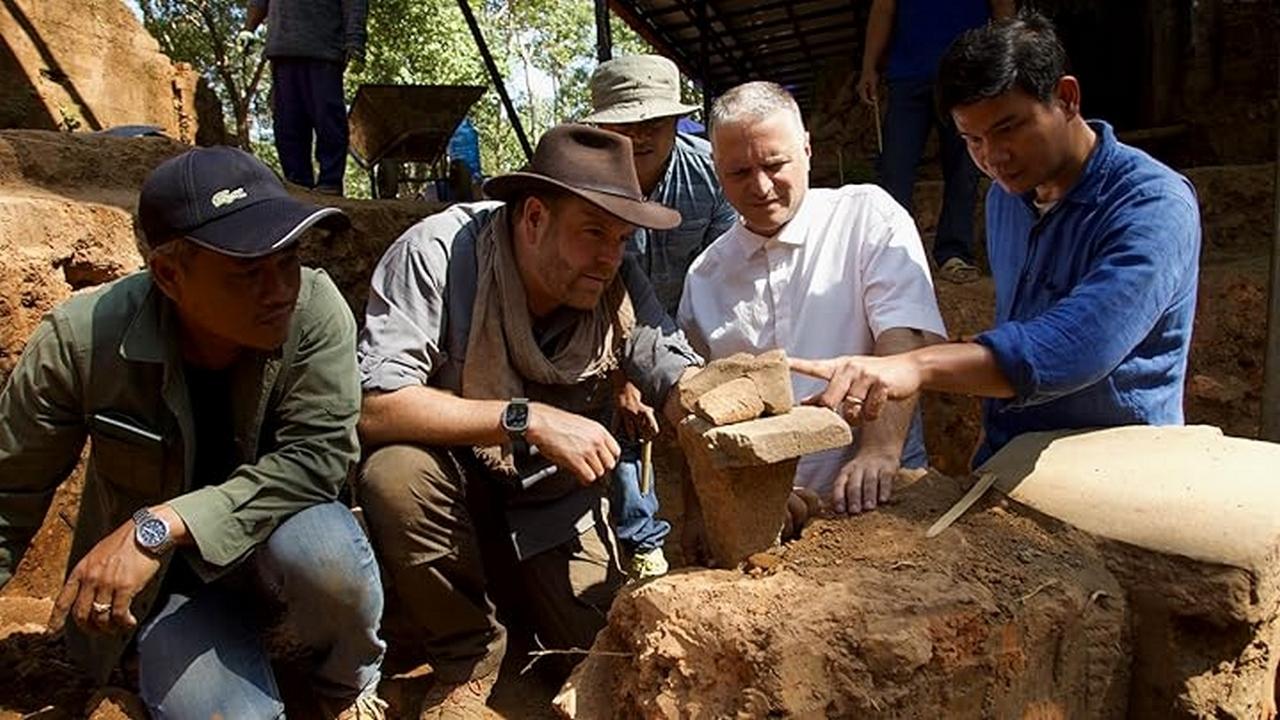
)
(316, 29)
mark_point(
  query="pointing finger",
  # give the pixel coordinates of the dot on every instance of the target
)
(823, 369)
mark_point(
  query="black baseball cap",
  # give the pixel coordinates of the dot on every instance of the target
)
(226, 200)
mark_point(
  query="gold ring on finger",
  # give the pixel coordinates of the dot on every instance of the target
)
(101, 608)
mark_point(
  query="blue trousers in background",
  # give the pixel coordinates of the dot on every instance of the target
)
(635, 520)
(308, 102)
(201, 654)
(912, 113)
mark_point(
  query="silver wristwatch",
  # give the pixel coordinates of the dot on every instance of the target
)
(151, 532)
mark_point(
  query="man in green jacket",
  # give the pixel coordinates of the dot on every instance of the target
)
(221, 394)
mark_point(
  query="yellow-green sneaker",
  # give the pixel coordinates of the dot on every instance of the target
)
(649, 564)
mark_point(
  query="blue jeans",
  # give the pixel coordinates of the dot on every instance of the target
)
(201, 654)
(912, 113)
(914, 453)
(634, 513)
(307, 99)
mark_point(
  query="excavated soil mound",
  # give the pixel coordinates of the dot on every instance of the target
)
(1006, 614)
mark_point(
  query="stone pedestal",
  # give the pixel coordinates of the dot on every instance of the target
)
(742, 474)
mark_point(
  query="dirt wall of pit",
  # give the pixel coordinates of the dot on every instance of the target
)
(91, 65)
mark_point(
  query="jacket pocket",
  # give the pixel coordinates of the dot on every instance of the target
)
(127, 454)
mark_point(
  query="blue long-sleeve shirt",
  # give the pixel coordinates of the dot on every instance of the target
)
(1094, 300)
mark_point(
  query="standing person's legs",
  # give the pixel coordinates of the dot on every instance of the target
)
(329, 115)
(320, 566)
(634, 513)
(291, 119)
(906, 128)
(415, 504)
(960, 189)
(914, 453)
(199, 656)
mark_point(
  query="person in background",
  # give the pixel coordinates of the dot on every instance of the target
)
(909, 37)
(639, 96)
(310, 44)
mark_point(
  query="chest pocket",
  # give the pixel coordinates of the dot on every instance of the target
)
(127, 454)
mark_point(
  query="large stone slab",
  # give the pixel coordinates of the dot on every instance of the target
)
(768, 371)
(1008, 614)
(1190, 524)
(772, 439)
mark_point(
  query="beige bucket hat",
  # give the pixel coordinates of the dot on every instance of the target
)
(636, 88)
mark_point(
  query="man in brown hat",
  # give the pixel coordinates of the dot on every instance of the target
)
(493, 334)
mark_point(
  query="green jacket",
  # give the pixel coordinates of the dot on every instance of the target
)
(106, 365)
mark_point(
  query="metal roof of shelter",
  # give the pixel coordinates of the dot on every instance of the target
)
(722, 43)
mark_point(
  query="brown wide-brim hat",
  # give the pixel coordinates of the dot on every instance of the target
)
(593, 164)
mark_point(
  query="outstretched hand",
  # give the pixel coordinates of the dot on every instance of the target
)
(859, 386)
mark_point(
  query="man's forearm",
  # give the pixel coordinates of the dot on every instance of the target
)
(430, 416)
(964, 368)
(888, 433)
(879, 27)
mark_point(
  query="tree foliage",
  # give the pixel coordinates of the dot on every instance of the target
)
(536, 43)
(202, 33)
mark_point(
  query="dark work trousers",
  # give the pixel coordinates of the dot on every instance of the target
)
(912, 113)
(446, 552)
(307, 100)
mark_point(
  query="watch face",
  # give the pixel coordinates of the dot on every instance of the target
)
(516, 417)
(153, 532)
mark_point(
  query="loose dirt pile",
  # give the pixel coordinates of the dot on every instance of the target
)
(1006, 614)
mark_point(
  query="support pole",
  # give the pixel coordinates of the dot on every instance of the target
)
(704, 62)
(496, 77)
(1271, 380)
(604, 33)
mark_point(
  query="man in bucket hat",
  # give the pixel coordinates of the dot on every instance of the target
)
(219, 389)
(493, 334)
(639, 96)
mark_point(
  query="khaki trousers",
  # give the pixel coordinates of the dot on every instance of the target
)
(440, 533)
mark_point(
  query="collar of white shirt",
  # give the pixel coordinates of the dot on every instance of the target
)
(793, 233)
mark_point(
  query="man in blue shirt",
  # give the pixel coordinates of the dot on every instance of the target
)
(910, 36)
(1094, 249)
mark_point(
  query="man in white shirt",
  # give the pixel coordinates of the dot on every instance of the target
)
(818, 273)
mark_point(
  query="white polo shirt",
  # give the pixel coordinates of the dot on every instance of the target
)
(846, 268)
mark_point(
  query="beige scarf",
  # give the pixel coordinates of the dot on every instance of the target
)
(502, 353)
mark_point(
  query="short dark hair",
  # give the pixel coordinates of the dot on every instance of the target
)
(1018, 53)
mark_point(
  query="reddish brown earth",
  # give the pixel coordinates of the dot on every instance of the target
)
(65, 202)
(1007, 614)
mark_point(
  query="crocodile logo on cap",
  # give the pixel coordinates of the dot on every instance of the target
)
(225, 197)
